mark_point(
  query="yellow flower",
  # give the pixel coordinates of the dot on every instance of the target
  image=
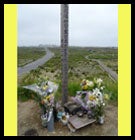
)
(48, 97)
(92, 97)
(45, 87)
(85, 87)
(106, 96)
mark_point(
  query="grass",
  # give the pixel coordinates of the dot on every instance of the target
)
(78, 68)
(72, 88)
(111, 89)
(24, 94)
(111, 63)
(29, 54)
(103, 53)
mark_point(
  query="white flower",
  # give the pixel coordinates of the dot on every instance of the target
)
(98, 94)
(102, 87)
(99, 80)
(90, 84)
(95, 91)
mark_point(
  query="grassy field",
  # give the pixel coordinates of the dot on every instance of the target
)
(29, 54)
(78, 68)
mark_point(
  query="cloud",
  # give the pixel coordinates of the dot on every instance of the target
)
(89, 24)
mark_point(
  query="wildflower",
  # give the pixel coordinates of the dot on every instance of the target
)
(106, 96)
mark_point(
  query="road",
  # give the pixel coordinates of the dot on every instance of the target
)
(35, 64)
(112, 73)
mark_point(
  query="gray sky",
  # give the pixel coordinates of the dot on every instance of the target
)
(89, 24)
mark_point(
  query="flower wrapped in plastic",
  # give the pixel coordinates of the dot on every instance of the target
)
(92, 97)
(45, 97)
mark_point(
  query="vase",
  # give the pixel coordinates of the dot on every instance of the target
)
(101, 119)
(44, 120)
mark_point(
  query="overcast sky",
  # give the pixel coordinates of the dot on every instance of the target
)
(89, 24)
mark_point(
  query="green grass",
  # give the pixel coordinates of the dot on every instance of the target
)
(78, 68)
(111, 63)
(29, 54)
(111, 89)
(72, 88)
(103, 53)
(25, 94)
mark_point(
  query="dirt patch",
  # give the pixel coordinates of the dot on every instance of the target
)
(29, 118)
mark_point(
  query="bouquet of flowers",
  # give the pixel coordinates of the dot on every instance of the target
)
(92, 97)
(47, 102)
(45, 97)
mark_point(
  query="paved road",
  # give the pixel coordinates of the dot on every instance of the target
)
(112, 73)
(35, 64)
